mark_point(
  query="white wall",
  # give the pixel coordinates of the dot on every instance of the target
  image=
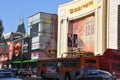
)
(112, 23)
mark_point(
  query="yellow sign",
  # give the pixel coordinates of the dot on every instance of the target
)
(81, 7)
(48, 21)
(52, 51)
(16, 52)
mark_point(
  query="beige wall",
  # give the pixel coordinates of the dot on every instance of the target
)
(77, 9)
(112, 24)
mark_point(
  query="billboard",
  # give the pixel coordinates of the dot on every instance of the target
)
(85, 30)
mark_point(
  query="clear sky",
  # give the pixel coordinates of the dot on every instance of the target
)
(11, 11)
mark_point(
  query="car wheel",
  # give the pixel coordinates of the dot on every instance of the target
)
(67, 76)
(43, 75)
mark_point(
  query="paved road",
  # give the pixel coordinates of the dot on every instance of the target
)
(31, 78)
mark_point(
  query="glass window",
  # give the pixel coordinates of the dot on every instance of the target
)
(118, 27)
(34, 30)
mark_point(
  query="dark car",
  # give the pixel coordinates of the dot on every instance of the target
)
(28, 72)
(94, 74)
(13, 70)
(24, 72)
(21, 72)
(5, 70)
(8, 76)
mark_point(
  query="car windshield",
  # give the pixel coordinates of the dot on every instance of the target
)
(91, 78)
(88, 71)
(94, 74)
(6, 75)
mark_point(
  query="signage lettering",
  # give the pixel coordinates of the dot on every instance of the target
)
(81, 7)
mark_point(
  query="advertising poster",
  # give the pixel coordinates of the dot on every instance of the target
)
(10, 50)
(85, 30)
(37, 55)
(70, 40)
(26, 48)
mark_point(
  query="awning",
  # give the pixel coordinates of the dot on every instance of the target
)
(32, 60)
(16, 62)
(25, 61)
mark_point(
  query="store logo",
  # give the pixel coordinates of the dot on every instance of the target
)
(17, 48)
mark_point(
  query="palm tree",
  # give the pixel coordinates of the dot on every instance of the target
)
(1, 28)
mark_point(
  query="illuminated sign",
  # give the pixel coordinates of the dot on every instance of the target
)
(81, 7)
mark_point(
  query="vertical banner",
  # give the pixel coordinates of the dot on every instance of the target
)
(74, 40)
(26, 48)
(70, 39)
(10, 50)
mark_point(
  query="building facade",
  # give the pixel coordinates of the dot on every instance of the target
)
(43, 33)
(4, 56)
(113, 23)
(89, 25)
(6, 49)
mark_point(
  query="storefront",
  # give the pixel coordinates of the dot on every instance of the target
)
(82, 25)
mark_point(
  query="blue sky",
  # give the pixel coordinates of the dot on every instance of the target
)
(12, 10)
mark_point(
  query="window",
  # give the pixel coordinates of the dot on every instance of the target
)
(90, 61)
(49, 63)
(34, 30)
(70, 62)
(116, 66)
(118, 27)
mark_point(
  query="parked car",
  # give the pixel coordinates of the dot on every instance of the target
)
(8, 76)
(24, 72)
(21, 72)
(94, 74)
(13, 70)
(27, 72)
(5, 69)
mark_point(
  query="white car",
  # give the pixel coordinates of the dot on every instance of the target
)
(8, 76)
